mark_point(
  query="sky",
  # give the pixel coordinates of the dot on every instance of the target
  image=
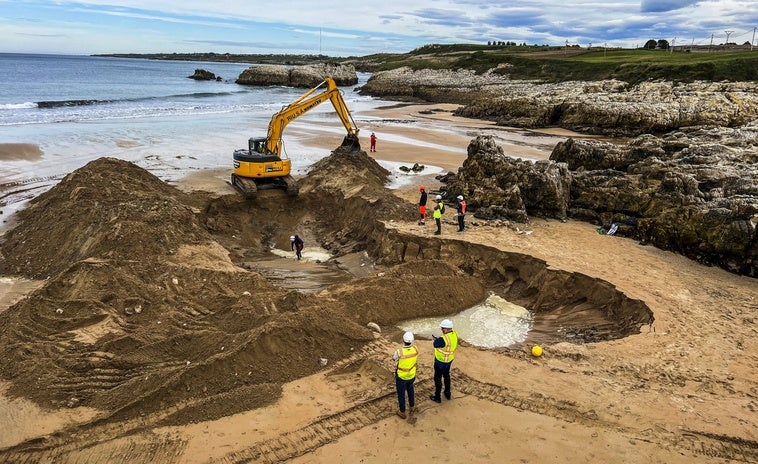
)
(342, 28)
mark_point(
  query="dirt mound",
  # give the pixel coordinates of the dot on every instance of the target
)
(351, 172)
(144, 313)
(356, 181)
(142, 309)
(109, 209)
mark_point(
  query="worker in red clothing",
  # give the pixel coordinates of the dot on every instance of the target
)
(422, 206)
(373, 142)
(461, 208)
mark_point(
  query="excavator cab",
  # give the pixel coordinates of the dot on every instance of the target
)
(255, 168)
(257, 145)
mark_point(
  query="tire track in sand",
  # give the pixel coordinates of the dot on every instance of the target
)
(330, 428)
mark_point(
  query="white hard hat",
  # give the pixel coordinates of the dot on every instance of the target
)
(446, 324)
(292, 237)
(460, 197)
(408, 337)
(438, 197)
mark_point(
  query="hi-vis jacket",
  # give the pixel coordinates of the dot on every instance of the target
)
(407, 357)
(446, 353)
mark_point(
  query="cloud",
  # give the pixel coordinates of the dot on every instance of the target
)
(443, 17)
(661, 6)
(394, 26)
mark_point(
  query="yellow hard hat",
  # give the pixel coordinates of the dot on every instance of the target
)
(537, 351)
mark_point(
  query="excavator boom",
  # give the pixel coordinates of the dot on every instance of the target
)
(261, 164)
(302, 105)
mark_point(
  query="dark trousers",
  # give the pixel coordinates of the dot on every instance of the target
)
(461, 225)
(441, 373)
(439, 225)
(402, 387)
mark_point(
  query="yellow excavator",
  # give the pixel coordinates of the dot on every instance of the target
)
(261, 166)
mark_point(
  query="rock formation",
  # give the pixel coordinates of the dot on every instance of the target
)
(204, 75)
(299, 76)
(694, 191)
(603, 107)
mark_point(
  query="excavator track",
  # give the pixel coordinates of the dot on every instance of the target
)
(247, 187)
(291, 186)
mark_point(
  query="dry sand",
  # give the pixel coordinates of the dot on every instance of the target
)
(684, 390)
(681, 391)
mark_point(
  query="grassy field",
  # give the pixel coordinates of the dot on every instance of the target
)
(555, 64)
(543, 63)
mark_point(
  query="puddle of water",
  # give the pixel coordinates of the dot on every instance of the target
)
(308, 275)
(495, 323)
(309, 254)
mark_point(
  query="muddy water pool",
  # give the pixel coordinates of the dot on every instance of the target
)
(498, 323)
(494, 323)
(315, 271)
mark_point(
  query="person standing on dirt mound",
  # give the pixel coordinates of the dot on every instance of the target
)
(422, 206)
(296, 243)
(406, 359)
(444, 353)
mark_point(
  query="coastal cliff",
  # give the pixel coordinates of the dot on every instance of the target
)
(608, 107)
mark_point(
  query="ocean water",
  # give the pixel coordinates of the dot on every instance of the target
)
(77, 108)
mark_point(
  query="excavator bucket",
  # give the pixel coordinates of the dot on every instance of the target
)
(351, 143)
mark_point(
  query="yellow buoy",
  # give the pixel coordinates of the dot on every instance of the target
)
(537, 351)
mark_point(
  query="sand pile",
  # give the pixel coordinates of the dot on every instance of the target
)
(144, 313)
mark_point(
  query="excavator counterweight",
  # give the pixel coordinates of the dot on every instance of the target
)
(261, 166)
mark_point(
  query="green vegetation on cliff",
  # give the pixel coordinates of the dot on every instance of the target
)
(556, 64)
(543, 63)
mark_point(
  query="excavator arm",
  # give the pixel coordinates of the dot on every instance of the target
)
(302, 105)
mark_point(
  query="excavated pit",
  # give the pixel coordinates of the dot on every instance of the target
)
(151, 308)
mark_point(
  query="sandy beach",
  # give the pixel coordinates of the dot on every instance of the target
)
(683, 390)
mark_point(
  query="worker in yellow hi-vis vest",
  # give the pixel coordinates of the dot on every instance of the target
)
(405, 374)
(444, 353)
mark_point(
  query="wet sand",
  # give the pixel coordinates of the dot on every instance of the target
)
(19, 151)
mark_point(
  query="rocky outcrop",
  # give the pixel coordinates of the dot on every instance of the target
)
(204, 75)
(498, 186)
(604, 107)
(265, 74)
(299, 76)
(441, 86)
(615, 108)
(694, 191)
